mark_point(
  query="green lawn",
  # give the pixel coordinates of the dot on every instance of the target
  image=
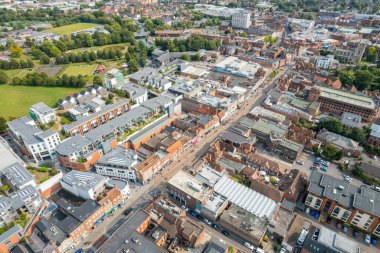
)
(11, 73)
(74, 70)
(67, 29)
(16, 100)
(121, 46)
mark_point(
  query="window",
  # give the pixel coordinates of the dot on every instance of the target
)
(318, 203)
(336, 211)
(309, 200)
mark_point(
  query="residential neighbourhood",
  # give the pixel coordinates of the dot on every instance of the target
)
(177, 126)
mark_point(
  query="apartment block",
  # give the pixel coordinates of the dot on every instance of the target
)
(334, 197)
(33, 142)
(42, 113)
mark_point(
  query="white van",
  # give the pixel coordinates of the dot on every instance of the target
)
(258, 250)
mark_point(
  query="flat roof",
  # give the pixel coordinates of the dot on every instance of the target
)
(190, 185)
(337, 241)
(361, 100)
(8, 157)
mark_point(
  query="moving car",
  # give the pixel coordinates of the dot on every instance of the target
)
(249, 246)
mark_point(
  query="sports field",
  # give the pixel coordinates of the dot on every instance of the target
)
(16, 100)
(67, 29)
(85, 69)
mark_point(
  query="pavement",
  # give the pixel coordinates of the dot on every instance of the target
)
(101, 233)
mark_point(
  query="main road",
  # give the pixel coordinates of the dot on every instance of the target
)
(105, 229)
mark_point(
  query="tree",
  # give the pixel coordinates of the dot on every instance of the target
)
(3, 125)
(332, 125)
(16, 51)
(330, 152)
(45, 59)
(371, 54)
(185, 57)
(133, 66)
(97, 81)
(3, 78)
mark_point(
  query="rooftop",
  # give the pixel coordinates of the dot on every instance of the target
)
(351, 120)
(72, 145)
(8, 156)
(17, 175)
(121, 157)
(190, 185)
(83, 180)
(246, 198)
(356, 99)
(375, 131)
(41, 108)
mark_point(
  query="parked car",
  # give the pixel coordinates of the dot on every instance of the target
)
(199, 217)
(344, 229)
(317, 165)
(300, 162)
(191, 212)
(313, 168)
(373, 241)
(348, 179)
(216, 226)
(185, 208)
(249, 246)
(323, 168)
(226, 233)
(312, 212)
(307, 211)
(128, 211)
(355, 234)
(339, 225)
(367, 238)
(207, 222)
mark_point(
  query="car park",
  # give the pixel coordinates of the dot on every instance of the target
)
(249, 246)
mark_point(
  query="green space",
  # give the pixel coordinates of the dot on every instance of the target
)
(16, 100)
(120, 46)
(67, 29)
(83, 69)
(11, 73)
(42, 174)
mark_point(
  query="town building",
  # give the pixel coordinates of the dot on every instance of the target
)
(42, 113)
(33, 142)
(374, 136)
(85, 185)
(339, 101)
(347, 145)
(241, 19)
(334, 197)
(351, 120)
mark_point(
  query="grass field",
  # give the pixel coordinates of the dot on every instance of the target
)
(74, 70)
(50, 70)
(16, 100)
(11, 73)
(67, 29)
(121, 46)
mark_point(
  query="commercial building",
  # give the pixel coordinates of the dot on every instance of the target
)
(42, 113)
(33, 142)
(85, 185)
(119, 163)
(233, 66)
(339, 101)
(358, 206)
(244, 224)
(241, 19)
(188, 191)
(374, 136)
(351, 120)
(347, 145)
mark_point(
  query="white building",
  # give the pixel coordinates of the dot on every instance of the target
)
(119, 163)
(85, 185)
(33, 142)
(241, 19)
(114, 79)
(42, 113)
(325, 62)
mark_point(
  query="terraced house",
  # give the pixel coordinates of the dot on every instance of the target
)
(358, 206)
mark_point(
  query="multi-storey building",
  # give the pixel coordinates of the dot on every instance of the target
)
(33, 142)
(374, 136)
(339, 101)
(42, 113)
(241, 19)
(358, 206)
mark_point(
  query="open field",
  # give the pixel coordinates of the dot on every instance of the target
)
(11, 73)
(121, 46)
(67, 29)
(50, 70)
(84, 69)
(16, 100)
